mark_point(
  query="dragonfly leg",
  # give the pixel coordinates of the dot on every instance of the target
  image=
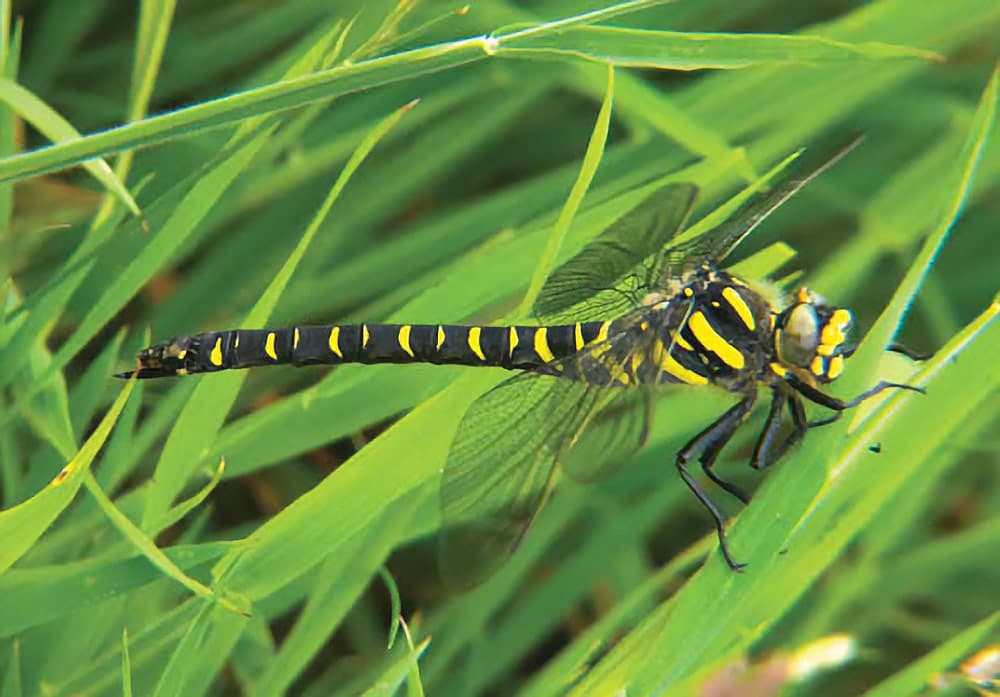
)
(839, 405)
(711, 452)
(765, 454)
(720, 430)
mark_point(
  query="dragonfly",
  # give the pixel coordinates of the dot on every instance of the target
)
(633, 311)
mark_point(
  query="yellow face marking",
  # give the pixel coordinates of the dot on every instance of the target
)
(602, 332)
(577, 336)
(365, 336)
(739, 306)
(779, 370)
(334, 342)
(835, 368)
(513, 341)
(404, 339)
(804, 296)
(542, 345)
(825, 349)
(216, 356)
(295, 338)
(440, 337)
(841, 318)
(474, 333)
(713, 341)
(269, 347)
(668, 364)
(817, 365)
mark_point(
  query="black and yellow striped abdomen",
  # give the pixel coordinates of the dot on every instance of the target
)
(511, 347)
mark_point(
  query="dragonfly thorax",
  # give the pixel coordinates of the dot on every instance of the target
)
(812, 335)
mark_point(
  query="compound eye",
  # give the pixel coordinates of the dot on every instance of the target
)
(799, 335)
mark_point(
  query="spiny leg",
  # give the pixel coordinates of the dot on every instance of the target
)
(708, 457)
(721, 428)
(760, 459)
(764, 454)
(839, 405)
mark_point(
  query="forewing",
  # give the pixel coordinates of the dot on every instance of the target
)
(499, 469)
(588, 282)
(716, 244)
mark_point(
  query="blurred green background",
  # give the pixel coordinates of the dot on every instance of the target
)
(286, 572)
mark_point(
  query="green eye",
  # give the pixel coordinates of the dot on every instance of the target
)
(799, 335)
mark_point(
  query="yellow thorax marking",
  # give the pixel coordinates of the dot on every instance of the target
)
(404, 339)
(779, 370)
(740, 306)
(335, 342)
(513, 341)
(670, 365)
(440, 337)
(542, 345)
(578, 336)
(216, 356)
(365, 336)
(682, 342)
(713, 341)
(269, 347)
(474, 333)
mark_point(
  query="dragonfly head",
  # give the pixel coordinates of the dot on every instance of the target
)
(174, 357)
(812, 335)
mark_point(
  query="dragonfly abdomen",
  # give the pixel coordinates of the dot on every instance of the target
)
(511, 347)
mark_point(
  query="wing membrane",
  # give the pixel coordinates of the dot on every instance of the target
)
(500, 465)
(591, 277)
(718, 243)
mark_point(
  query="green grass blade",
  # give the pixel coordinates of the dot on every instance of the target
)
(22, 525)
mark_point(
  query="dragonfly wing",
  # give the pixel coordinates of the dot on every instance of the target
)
(718, 243)
(499, 470)
(585, 286)
(612, 437)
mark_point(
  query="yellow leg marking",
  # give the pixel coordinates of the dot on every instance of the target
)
(440, 341)
(404, 339)
(269, 347)
(335, 342)
(668, 364)
(513, 341)
(542, 345)
(740, 306)
(578, 336)
(712, 341)
(602, 333)
(365, 336)
(216, 356)
(295, 338)
(474, 333)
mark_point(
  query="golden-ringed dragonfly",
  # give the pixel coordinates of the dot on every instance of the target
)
(644, 313)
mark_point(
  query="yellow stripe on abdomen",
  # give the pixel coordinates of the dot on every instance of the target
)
(404, 339)
(542, 345)
(334, 342)
(714, 342)
(216, 356)
(269, 347)
(474, 345)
